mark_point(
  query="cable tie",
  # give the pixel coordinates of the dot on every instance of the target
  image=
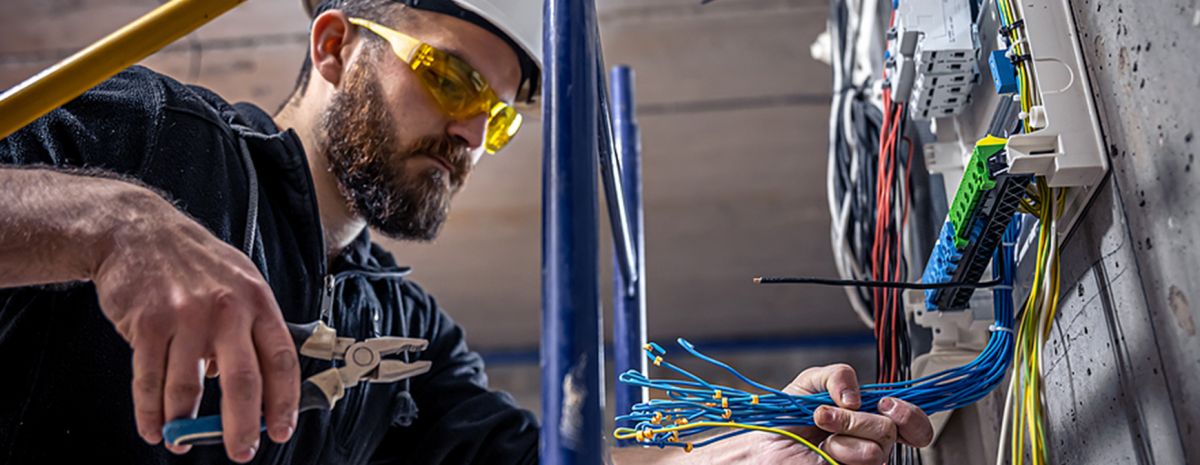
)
(1009, 28)
(1018, 59)
(993, 328)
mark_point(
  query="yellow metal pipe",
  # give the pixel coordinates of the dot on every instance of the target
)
(73, 76)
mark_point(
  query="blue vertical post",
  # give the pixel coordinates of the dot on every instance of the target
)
(629, 309)
(572, 351)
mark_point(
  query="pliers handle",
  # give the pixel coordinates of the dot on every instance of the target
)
(362, 361)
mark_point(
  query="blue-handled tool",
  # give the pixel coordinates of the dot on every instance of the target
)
(363, 361)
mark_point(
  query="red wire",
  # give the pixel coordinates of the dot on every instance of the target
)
(882, 253)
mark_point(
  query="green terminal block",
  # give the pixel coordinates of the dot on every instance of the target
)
(976, 179)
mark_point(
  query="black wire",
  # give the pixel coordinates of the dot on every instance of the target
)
(872, 284)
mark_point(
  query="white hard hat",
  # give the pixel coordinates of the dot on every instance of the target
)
(518, 22)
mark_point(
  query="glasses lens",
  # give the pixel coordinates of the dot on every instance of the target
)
(462, 93)
(503, 124)
(449, 82)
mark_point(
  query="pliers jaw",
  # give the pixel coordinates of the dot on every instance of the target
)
(363, 362)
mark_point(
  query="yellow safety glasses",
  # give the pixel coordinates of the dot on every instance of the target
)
(457, 88)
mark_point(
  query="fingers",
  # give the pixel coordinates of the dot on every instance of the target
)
(912, 425)
(184, 383)
(875, 428)
(838, 380)
(149, 368)
(241, 393)
(850, 450)
(281, 375)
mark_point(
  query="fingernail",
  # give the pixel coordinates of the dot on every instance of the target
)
(849, 397)
(287, 433)
(247, 454)
(825, 414)
(886, 405)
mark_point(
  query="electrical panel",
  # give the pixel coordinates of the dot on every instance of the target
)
(995, 96)
(936, 51)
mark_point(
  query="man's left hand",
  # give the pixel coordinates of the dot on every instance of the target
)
(850, 436)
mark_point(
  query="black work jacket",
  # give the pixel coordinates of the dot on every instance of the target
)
(65, 392)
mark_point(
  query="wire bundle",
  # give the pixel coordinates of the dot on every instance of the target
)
(1023, 421)
(855, 122)
(1012, 30)
(1023, 404)
(694, 406)
(870, 167)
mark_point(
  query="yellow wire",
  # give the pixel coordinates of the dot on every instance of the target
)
(630, 433)
(1028, 433)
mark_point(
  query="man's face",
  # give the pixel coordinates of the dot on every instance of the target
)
(397, 157)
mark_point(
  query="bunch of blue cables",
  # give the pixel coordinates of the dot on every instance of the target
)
(660, 422)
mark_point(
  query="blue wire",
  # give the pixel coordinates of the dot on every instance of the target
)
(698, 400)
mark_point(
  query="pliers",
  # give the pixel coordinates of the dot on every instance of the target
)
(363, 361)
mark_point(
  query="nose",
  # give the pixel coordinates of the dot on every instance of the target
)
(471, 130)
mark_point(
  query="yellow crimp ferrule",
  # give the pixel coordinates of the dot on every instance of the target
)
(728, 414)
(754, 399)
(725, 403)
(717, 394)
(688, 447)
(657, 361)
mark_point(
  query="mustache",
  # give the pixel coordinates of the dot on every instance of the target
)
(453, 150)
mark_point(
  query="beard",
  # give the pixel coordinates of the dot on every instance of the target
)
(369, 161)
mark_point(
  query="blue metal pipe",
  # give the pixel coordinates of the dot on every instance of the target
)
(629, 309)
(572, 357)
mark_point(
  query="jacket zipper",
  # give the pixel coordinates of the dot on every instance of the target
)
(327, 301)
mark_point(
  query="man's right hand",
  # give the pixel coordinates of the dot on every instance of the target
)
(185, 301)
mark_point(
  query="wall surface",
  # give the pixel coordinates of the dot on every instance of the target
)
(1125, 374)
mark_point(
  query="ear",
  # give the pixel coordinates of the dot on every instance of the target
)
(331, 44)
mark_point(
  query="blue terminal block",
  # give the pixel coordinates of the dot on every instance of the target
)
(1004, 75)
(943, 263)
